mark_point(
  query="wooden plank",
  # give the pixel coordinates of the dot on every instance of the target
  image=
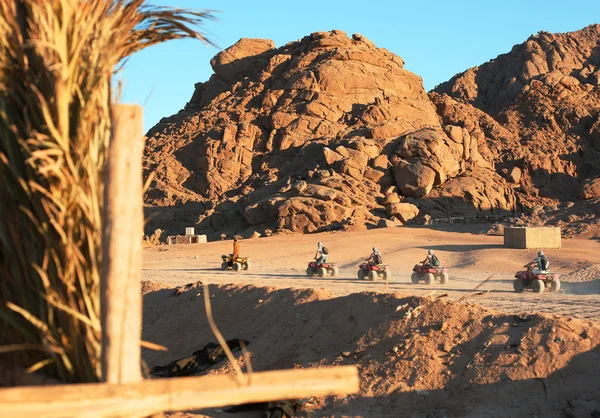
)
(154, 396)
(121, 296)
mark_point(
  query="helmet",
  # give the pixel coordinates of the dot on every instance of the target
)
(235, 239)
(375, 250)
(430, 252)
(319, 244)
(540, 253)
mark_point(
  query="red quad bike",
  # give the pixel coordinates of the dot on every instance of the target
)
(428, 274)
(374, 271)
(536, 282)
(322, 269)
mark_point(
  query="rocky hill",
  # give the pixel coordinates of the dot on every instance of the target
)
(538, 108)
(331, 131)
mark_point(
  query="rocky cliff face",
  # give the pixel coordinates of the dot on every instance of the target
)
(538, 109)
(331, 131)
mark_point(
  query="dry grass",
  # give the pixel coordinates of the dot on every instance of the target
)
(56, 63)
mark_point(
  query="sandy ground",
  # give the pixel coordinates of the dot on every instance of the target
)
(524, 357)
(472, 257)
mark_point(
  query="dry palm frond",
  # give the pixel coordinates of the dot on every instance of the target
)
(56, 63)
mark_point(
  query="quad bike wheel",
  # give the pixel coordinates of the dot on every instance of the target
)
(429, 278)
(415, 278)
(518, 285)
(373, 275)
(555, 285)
(246, 265)
(310, 272)
(361, 274)
(335, 271)
(237, 266)
(322, 272)
(444, 278)
(387, 275)
(224, 265)
(538, 286)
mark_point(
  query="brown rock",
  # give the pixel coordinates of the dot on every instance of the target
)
(299, 186)
(331, 156)
(414, 179)
(475, 191)
(271, 123)
(591, 189)
(388, 223)
(155, 238)
(245, 57)
(351, 167)
(403, 211)
(373, 174)
(382, 162)
(514, 175)
(391, 198)
(532, 105)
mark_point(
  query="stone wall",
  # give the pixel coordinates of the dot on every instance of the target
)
(186, 239)
(526, 237)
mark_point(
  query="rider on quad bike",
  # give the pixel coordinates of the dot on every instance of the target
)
(431, 260)
(537, 277)
(234, 260)
(540, 264)
(320, 266)
(375, 258)
(321, 254)
(373, 267)
(429, 270)
(236, 248)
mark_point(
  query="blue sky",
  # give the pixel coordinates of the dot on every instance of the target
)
(436, 38)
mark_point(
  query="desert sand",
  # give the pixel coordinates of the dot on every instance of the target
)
(471, 358)
(281, 261)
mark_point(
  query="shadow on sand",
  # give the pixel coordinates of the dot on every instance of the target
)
(300, 328)
(462, 248)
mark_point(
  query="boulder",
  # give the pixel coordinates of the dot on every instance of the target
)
(155, 238)
(373, 174)
(306, 214)
(414, 179)
(590, 189)
(381, 162)
(391, 198)
(351, 167)
(402, 211)
(299, 186)
(478, 190)
(514, 175)
(331, 156)
(244, 58)
(388, 223)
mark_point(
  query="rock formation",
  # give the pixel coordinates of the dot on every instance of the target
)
(537, 111)
(330, 131)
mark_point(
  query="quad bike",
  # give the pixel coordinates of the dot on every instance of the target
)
(537, 282)
(322, 269)
(428, 274)
(240, 263)
(374, 271)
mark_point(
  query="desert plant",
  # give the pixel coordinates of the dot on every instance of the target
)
(57, 59)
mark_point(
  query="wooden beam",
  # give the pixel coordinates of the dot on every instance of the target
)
(121, 296)
(160, 395)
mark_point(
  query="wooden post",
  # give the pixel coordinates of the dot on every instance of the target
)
(121, 298)
(183, 393)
